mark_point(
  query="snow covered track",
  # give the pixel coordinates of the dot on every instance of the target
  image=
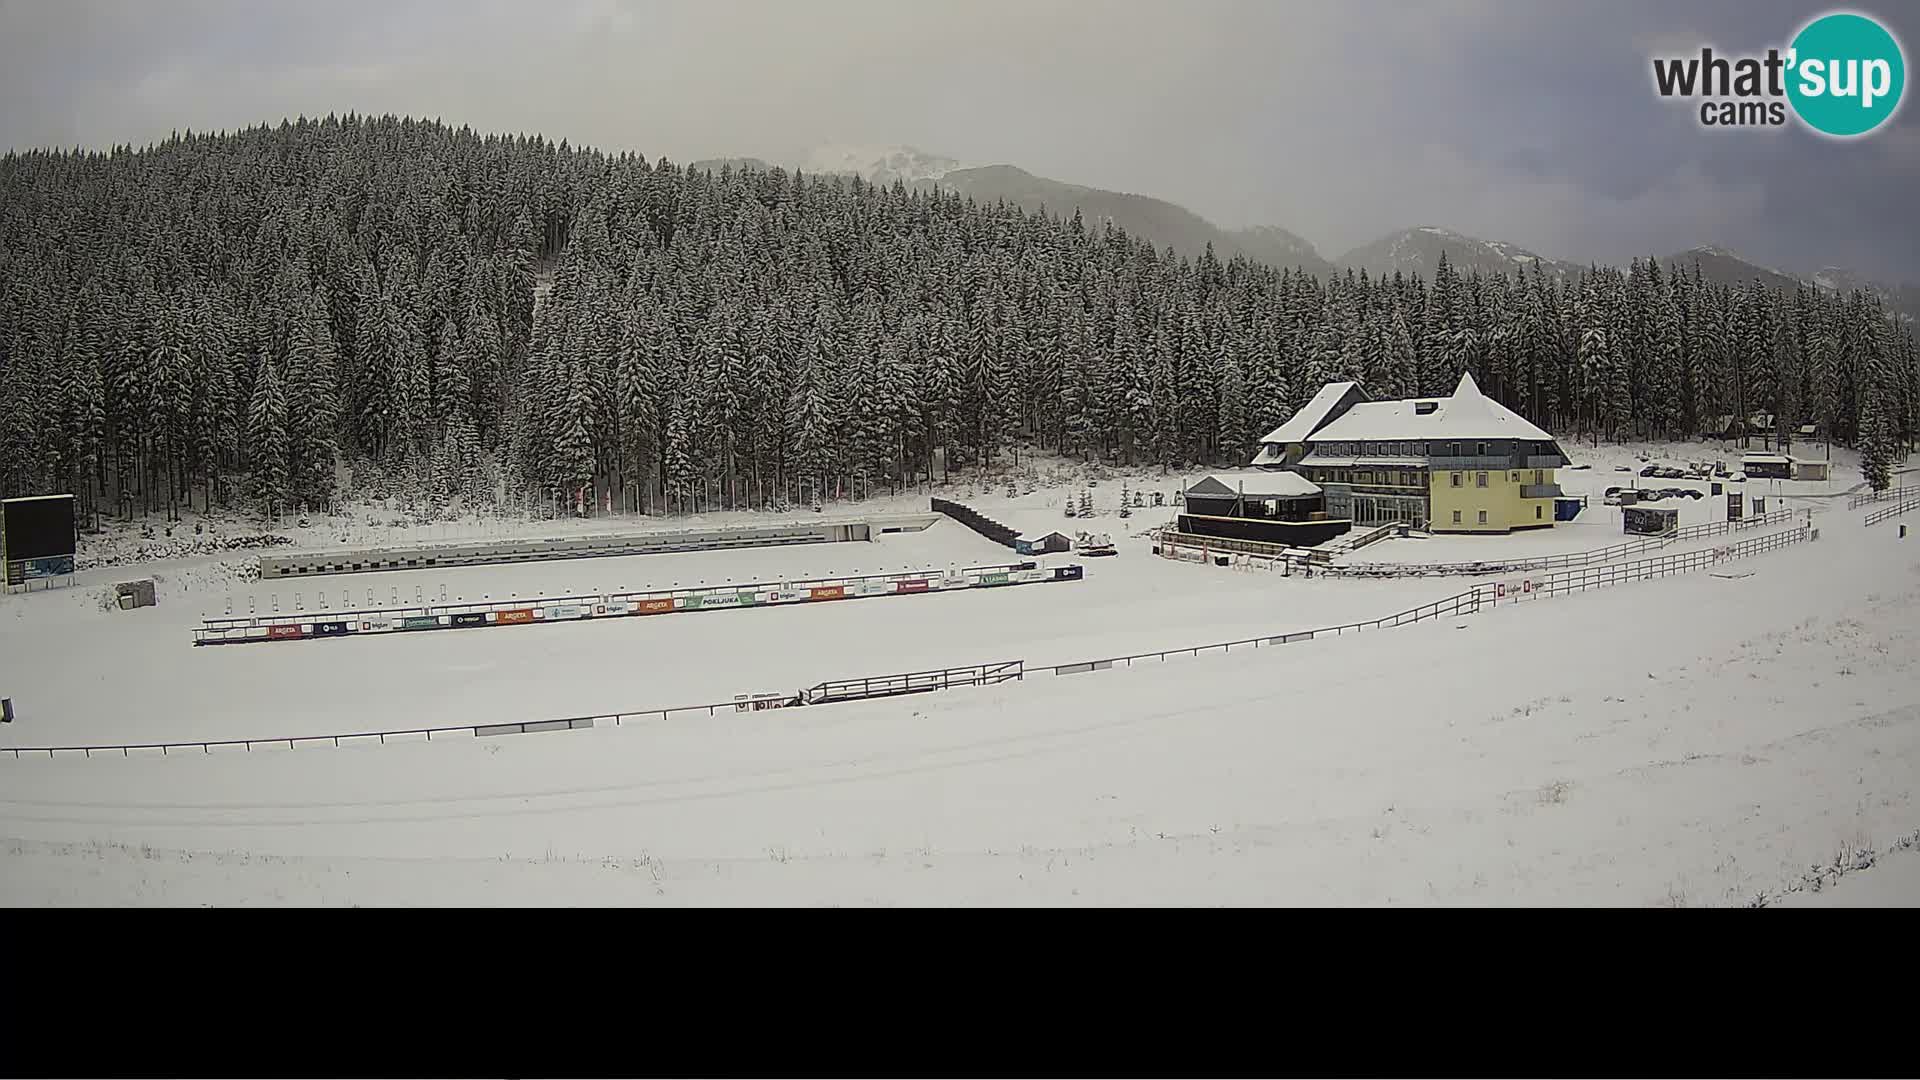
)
(537, 610)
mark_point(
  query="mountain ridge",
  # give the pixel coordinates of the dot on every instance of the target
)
(1412, 250)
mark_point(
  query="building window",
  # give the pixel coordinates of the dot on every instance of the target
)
(1456, 479)
(1482, 451)
(1536, 513)
(1536, 476)
(1480, 480)
(1456, 517)
(1516, 478)
(1483, 517)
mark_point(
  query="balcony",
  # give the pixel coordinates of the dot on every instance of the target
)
(1540, 491)
(1545, 461)
(1487, 463)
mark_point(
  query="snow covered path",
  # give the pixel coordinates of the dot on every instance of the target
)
(1695, 740)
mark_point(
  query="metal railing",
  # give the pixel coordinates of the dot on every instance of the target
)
(1600, 577)
(1484, 595)
(426, 734)
(916, 682)
(1878, 516)
(831, 691)
(1564, 561)
(1171, 537)
(1465, 603)
(1864, 498)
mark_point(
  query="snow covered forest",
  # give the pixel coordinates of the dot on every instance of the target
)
(227, 319)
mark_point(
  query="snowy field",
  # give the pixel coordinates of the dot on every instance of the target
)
(80, 675)
(1689, 741)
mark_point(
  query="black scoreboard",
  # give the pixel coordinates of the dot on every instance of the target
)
(37, 537)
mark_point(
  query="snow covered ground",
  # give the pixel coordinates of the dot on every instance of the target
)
(1892, 881)
(1694, 740)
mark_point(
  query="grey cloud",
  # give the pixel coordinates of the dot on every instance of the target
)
(1528, 122)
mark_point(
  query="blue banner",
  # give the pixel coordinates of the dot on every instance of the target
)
(21, 571)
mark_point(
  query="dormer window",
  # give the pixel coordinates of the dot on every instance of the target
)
(1422, 408)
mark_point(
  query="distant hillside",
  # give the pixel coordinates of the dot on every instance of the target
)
(1723, 267)
(714, 165)
(1165, 223)
(1417, 251)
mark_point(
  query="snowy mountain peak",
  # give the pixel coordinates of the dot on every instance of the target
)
(1417, 250)
(879, 164)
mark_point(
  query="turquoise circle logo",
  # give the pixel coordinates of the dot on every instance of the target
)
(1847, 74)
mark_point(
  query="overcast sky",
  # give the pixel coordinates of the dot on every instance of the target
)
(1531, 121)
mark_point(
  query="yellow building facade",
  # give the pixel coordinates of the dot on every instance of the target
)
(1462, 463)
(1491, 500)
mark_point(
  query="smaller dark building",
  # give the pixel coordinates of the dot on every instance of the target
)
(1767, 466)
(1266, 507)
(1650, 520)
(1043, 543)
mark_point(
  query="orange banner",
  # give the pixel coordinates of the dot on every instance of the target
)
(514, 615)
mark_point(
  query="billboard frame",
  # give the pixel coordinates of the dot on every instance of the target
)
(20, 573)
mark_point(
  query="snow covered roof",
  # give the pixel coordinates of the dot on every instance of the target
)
(1311, 416)
(1269, 454)
(1468, 414)
(1773, 459)
(1266, 484)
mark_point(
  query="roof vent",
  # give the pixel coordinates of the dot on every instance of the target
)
(1422, 408)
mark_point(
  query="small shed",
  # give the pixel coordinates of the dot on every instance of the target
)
(1650, 520)
(134, 594)
(1767, 466)
(1042, 543)
(1811, 470)
(1568, 507)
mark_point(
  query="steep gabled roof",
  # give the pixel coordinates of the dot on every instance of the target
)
(1313, 414)
(1265, 484)
(1468, 414)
